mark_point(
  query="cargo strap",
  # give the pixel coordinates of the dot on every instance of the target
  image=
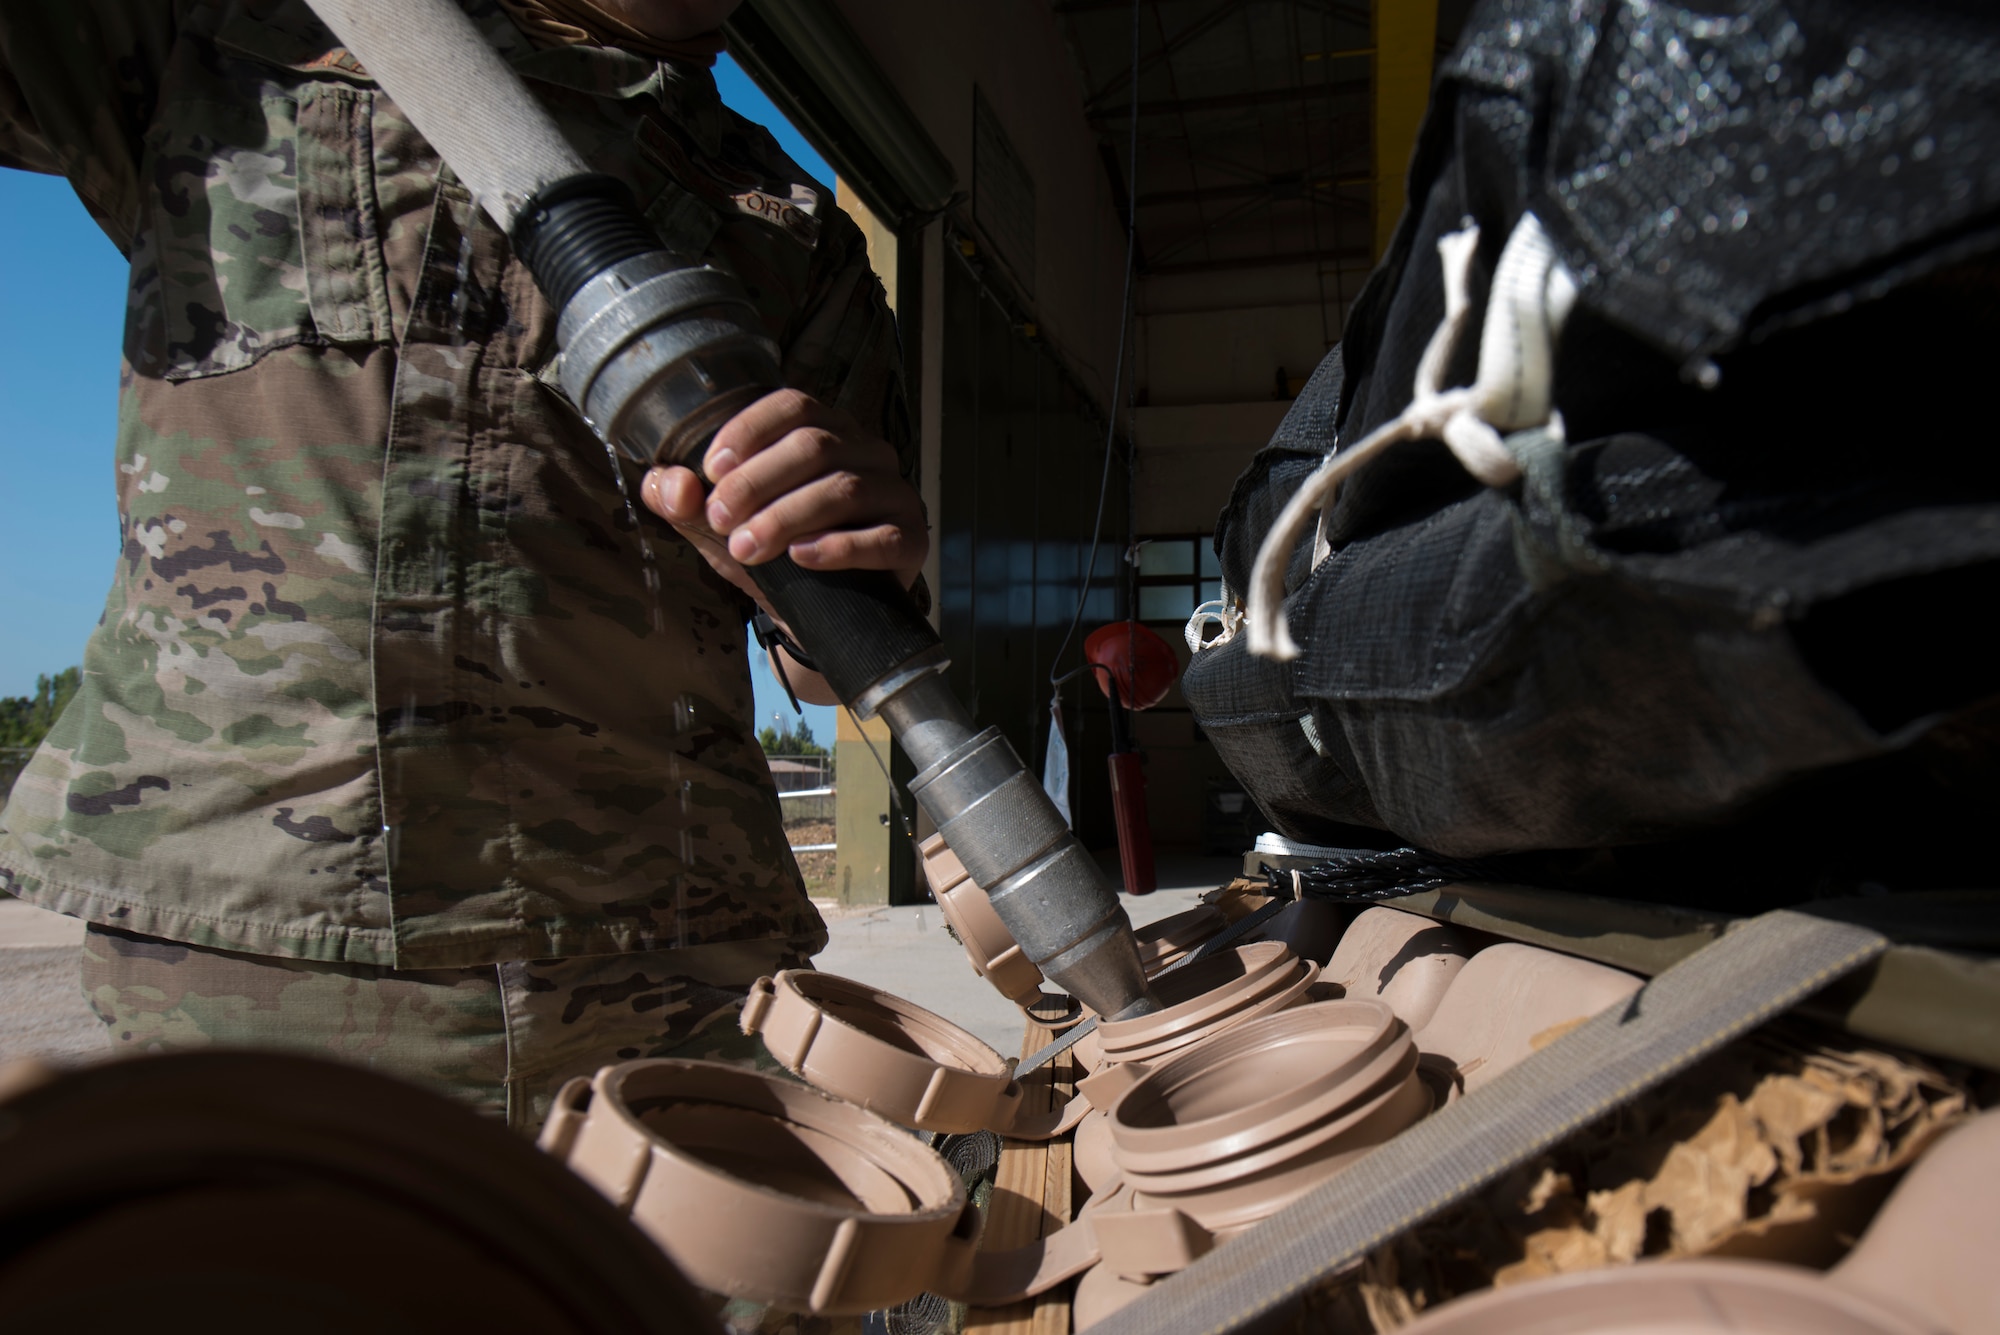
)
(1759, 968)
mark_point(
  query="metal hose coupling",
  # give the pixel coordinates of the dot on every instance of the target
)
(1015, 846)
(658, 351)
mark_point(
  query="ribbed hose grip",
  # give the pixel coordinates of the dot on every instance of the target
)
(576, 228)
(859, 625)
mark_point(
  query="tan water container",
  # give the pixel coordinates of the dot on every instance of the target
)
(1199, 1000)
(1930, 1249)
(1407, 960)
(1228, 1132)
(1674, 1298)
(1167, 942)
(1510, 1000)
(1206, 997)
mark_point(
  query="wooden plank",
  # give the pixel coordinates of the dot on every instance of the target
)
(1031, 1198)
(1052, 1314)
(1014, 1215)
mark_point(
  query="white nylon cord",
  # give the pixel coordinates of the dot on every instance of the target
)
(1531, 297)
(1216, 611)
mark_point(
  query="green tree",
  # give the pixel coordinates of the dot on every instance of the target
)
(25, 720)
(792, 741)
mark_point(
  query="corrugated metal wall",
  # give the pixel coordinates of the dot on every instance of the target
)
(1023, 451)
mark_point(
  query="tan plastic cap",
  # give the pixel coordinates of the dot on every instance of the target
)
(889, 1055)
(994, 953)
(765, 1189)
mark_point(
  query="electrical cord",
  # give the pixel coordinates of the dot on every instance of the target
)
(1118, 364)
(770, 636)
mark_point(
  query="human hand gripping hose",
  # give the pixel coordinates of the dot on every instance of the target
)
(658, 352)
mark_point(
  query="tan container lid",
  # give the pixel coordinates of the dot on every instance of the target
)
(1207, 996)
(991, 948)
(890, 1056)
(765, 1189)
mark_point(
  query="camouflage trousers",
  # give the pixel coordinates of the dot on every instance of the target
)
(501, 1037)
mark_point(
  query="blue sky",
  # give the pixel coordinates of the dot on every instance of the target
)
(62, 301)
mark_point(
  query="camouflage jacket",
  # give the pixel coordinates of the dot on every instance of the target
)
(391, 672)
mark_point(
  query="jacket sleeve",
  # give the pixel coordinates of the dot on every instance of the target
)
(79, 80)
(845, 350)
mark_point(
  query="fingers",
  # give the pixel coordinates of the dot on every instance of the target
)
(897, 547)
(767, 420)
(675, 495)
(838, 521)
(779, 444)
(791, 474)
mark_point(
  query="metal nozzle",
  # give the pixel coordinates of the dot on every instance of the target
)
(1016, 847)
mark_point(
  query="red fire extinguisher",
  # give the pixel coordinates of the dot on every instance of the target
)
(1134, 668)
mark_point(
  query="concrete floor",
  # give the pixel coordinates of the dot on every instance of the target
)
(42, 1011)
(907, 950)
(901, 950)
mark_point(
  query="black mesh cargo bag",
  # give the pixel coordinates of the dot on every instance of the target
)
(1753, 591)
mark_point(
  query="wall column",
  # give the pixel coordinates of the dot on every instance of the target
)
(874, 862)
(1405, 37)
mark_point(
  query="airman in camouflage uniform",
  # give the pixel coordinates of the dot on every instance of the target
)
(394, 684)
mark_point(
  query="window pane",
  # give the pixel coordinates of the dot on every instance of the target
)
(1165, 602)
(1170, 556)
(1211, 590)
(1211, 564)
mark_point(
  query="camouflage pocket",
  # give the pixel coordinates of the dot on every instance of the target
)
(260, 228)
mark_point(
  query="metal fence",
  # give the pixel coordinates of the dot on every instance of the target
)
(805, 807)
(808, 806)
(795, 773)
(806, 794)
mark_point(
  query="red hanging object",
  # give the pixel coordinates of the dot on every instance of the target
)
(1137, 670)
(1143, 664)
(1135, 830)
